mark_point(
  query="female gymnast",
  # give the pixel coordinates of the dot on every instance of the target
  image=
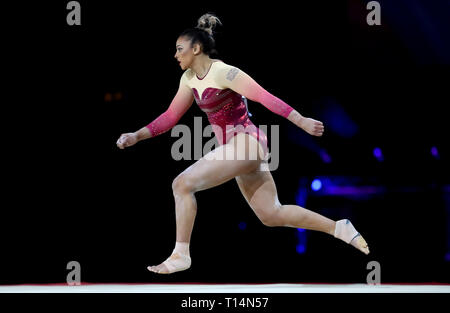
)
(218, 89)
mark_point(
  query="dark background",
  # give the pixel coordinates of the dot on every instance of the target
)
(71, 194)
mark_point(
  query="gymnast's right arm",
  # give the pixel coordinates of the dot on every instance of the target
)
(180, 104)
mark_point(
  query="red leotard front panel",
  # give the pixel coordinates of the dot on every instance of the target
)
(226, 109)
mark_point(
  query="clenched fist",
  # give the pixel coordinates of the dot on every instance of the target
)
(127, 140)
(312, 127)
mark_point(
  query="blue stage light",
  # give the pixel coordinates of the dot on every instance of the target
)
(316, 185)
(301, 244)
(300, 249)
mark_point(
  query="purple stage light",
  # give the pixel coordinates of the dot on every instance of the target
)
(325, 156)
(447, 257)
(434, 152)
(378, 154)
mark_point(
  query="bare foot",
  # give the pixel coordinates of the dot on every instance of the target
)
(175, 263)
(160, 269)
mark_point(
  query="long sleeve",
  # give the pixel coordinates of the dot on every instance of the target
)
(179, 105)
(237, 80)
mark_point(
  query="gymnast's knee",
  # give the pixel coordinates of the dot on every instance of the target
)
(271, 219)
(182, 184)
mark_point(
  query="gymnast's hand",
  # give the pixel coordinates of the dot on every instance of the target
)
(127, 140)
(311, 126)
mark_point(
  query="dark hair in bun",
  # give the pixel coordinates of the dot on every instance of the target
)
(203, 33)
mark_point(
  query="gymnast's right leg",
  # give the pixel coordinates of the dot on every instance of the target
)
(210, 171)
(261, 194)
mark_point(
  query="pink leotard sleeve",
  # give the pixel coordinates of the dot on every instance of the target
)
(179, 105)
(274, 104)
(243, 84)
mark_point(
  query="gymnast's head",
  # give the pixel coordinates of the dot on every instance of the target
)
(197, 42)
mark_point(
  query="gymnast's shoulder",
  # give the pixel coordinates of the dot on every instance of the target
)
(221, 66)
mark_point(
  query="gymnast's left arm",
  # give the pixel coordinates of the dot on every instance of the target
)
(239, 81)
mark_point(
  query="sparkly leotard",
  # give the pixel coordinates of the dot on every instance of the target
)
(224, 106)
(227, 113)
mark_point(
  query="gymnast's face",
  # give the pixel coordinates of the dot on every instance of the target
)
(185, 52)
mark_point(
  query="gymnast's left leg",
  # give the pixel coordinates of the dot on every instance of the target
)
(211, 170)
(259, 190)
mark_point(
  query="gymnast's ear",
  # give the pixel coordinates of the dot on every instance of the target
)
(197, 48)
